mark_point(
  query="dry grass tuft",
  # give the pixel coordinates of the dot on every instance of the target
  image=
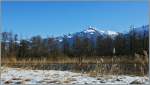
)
(92, 74)
(66, 81)
(27, 79)
(14, 78)
(8, 82)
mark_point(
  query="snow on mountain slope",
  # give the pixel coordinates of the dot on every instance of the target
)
(111, 32)
(90, 30)
(69, 36)
(93, 30)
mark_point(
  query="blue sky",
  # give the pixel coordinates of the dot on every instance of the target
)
(57, 18)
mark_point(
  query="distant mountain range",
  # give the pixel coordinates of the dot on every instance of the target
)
(92, 33)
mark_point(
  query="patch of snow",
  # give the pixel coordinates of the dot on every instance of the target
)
(111, 32)
(89, 30)
(69, 36)
(18, 41)
(93, 30)
(101, 31)
(17, 75)
(91, 33)
(60, 40)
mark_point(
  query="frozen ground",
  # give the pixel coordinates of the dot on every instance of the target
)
(22, 76)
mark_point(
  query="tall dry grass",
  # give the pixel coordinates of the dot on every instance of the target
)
(113, 67)
(143, 60)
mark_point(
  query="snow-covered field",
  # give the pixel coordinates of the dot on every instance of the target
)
(24, 76)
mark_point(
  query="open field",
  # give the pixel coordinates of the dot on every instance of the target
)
(24, 76)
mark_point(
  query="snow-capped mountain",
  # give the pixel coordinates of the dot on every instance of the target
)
(91, 33)
(92, 30)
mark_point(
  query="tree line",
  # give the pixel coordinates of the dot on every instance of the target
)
(38, 47)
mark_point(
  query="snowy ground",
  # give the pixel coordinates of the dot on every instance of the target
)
(22, 76)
